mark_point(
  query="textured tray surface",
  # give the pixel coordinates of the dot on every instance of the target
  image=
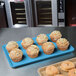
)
(27, 60)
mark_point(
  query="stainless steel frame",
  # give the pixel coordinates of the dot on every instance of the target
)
(8, 12)
(9, 16)
(54, 13)
(29, 12)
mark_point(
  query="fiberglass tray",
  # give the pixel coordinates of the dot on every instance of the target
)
(27, 60)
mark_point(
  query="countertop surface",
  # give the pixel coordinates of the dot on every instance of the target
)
(19, 34)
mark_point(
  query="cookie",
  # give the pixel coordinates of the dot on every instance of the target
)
(51, 71)
(72, 72)
(67, 65)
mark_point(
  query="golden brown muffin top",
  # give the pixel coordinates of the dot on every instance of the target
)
(48, 45)
(56, 34)
(33, 49)
(15, 53)
(12, 44)
(27, 41)
(62, 42)
(42, 38)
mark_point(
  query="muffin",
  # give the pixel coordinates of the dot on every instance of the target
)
(16, 55)
(62, 44)
(42, 38)
(11, 45)
(48, 48)
(51, 71)
(67, 65)
(59, 75)
(32, 51)
(72, 72)
(27, 42)
(55, 35)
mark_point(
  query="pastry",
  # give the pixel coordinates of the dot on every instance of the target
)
(67, 65)
(27, 42)
(16, 55)
(42, 38)
(32, 51)
(72, 72)
(11, 45)
(59, 75)
(48, 47)
(55, 35)
(62, 44)
(51, 71)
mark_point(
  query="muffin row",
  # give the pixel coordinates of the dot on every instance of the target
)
(55, 36)
(32, 50)
(66, 66)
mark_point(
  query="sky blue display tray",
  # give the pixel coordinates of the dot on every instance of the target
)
(27, 60)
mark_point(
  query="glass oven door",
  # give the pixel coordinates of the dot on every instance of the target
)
(45, 12)
(16, 13)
